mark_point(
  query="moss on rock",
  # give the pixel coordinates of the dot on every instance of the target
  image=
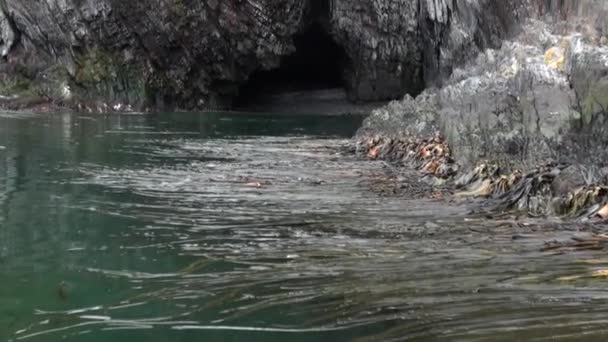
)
(103, 75)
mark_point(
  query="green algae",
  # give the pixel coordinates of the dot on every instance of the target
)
(103, 75)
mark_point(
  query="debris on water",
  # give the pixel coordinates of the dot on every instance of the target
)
(431, 225)
(570, 278)
(486, 181)
(62, 291)
(595, 261)
(196, 266)
(596, 241)
(603, 213)
(391, 183)
(254, 184)
(600, 273)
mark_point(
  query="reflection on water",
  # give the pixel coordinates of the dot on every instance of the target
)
(229, 227)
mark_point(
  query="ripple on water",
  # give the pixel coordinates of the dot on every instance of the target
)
(278, 235)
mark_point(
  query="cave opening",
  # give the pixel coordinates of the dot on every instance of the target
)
(316, 68)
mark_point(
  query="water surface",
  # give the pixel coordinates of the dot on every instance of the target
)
(190, 227)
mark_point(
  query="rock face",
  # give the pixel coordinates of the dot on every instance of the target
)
(403, 46)
(541, 96)
(158, 53)
(195, 54)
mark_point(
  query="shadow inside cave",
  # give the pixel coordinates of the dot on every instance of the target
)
(310, 80)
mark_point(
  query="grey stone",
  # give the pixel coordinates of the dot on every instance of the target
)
(543, 95)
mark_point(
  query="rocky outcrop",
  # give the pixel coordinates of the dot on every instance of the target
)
(540, 96)
(523, 126)
(196, 54)
(400, 46)
(499, 105)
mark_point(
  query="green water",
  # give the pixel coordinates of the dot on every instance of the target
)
(152, 228)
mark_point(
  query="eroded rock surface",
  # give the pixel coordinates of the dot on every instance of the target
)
(540, 96)
(196, 54)
(169, 52)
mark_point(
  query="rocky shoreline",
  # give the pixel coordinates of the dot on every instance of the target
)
(538, 97)
(551, 189)
(523, 127)
(519, 84)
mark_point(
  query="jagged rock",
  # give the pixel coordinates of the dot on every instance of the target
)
(186, 53)
(502, 105)
(540, 96)
(196, 54)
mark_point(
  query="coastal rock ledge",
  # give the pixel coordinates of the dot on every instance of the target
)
(541, 97)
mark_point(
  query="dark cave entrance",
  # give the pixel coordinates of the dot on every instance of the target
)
(317, 66)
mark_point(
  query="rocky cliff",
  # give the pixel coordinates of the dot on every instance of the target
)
(197, 54)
